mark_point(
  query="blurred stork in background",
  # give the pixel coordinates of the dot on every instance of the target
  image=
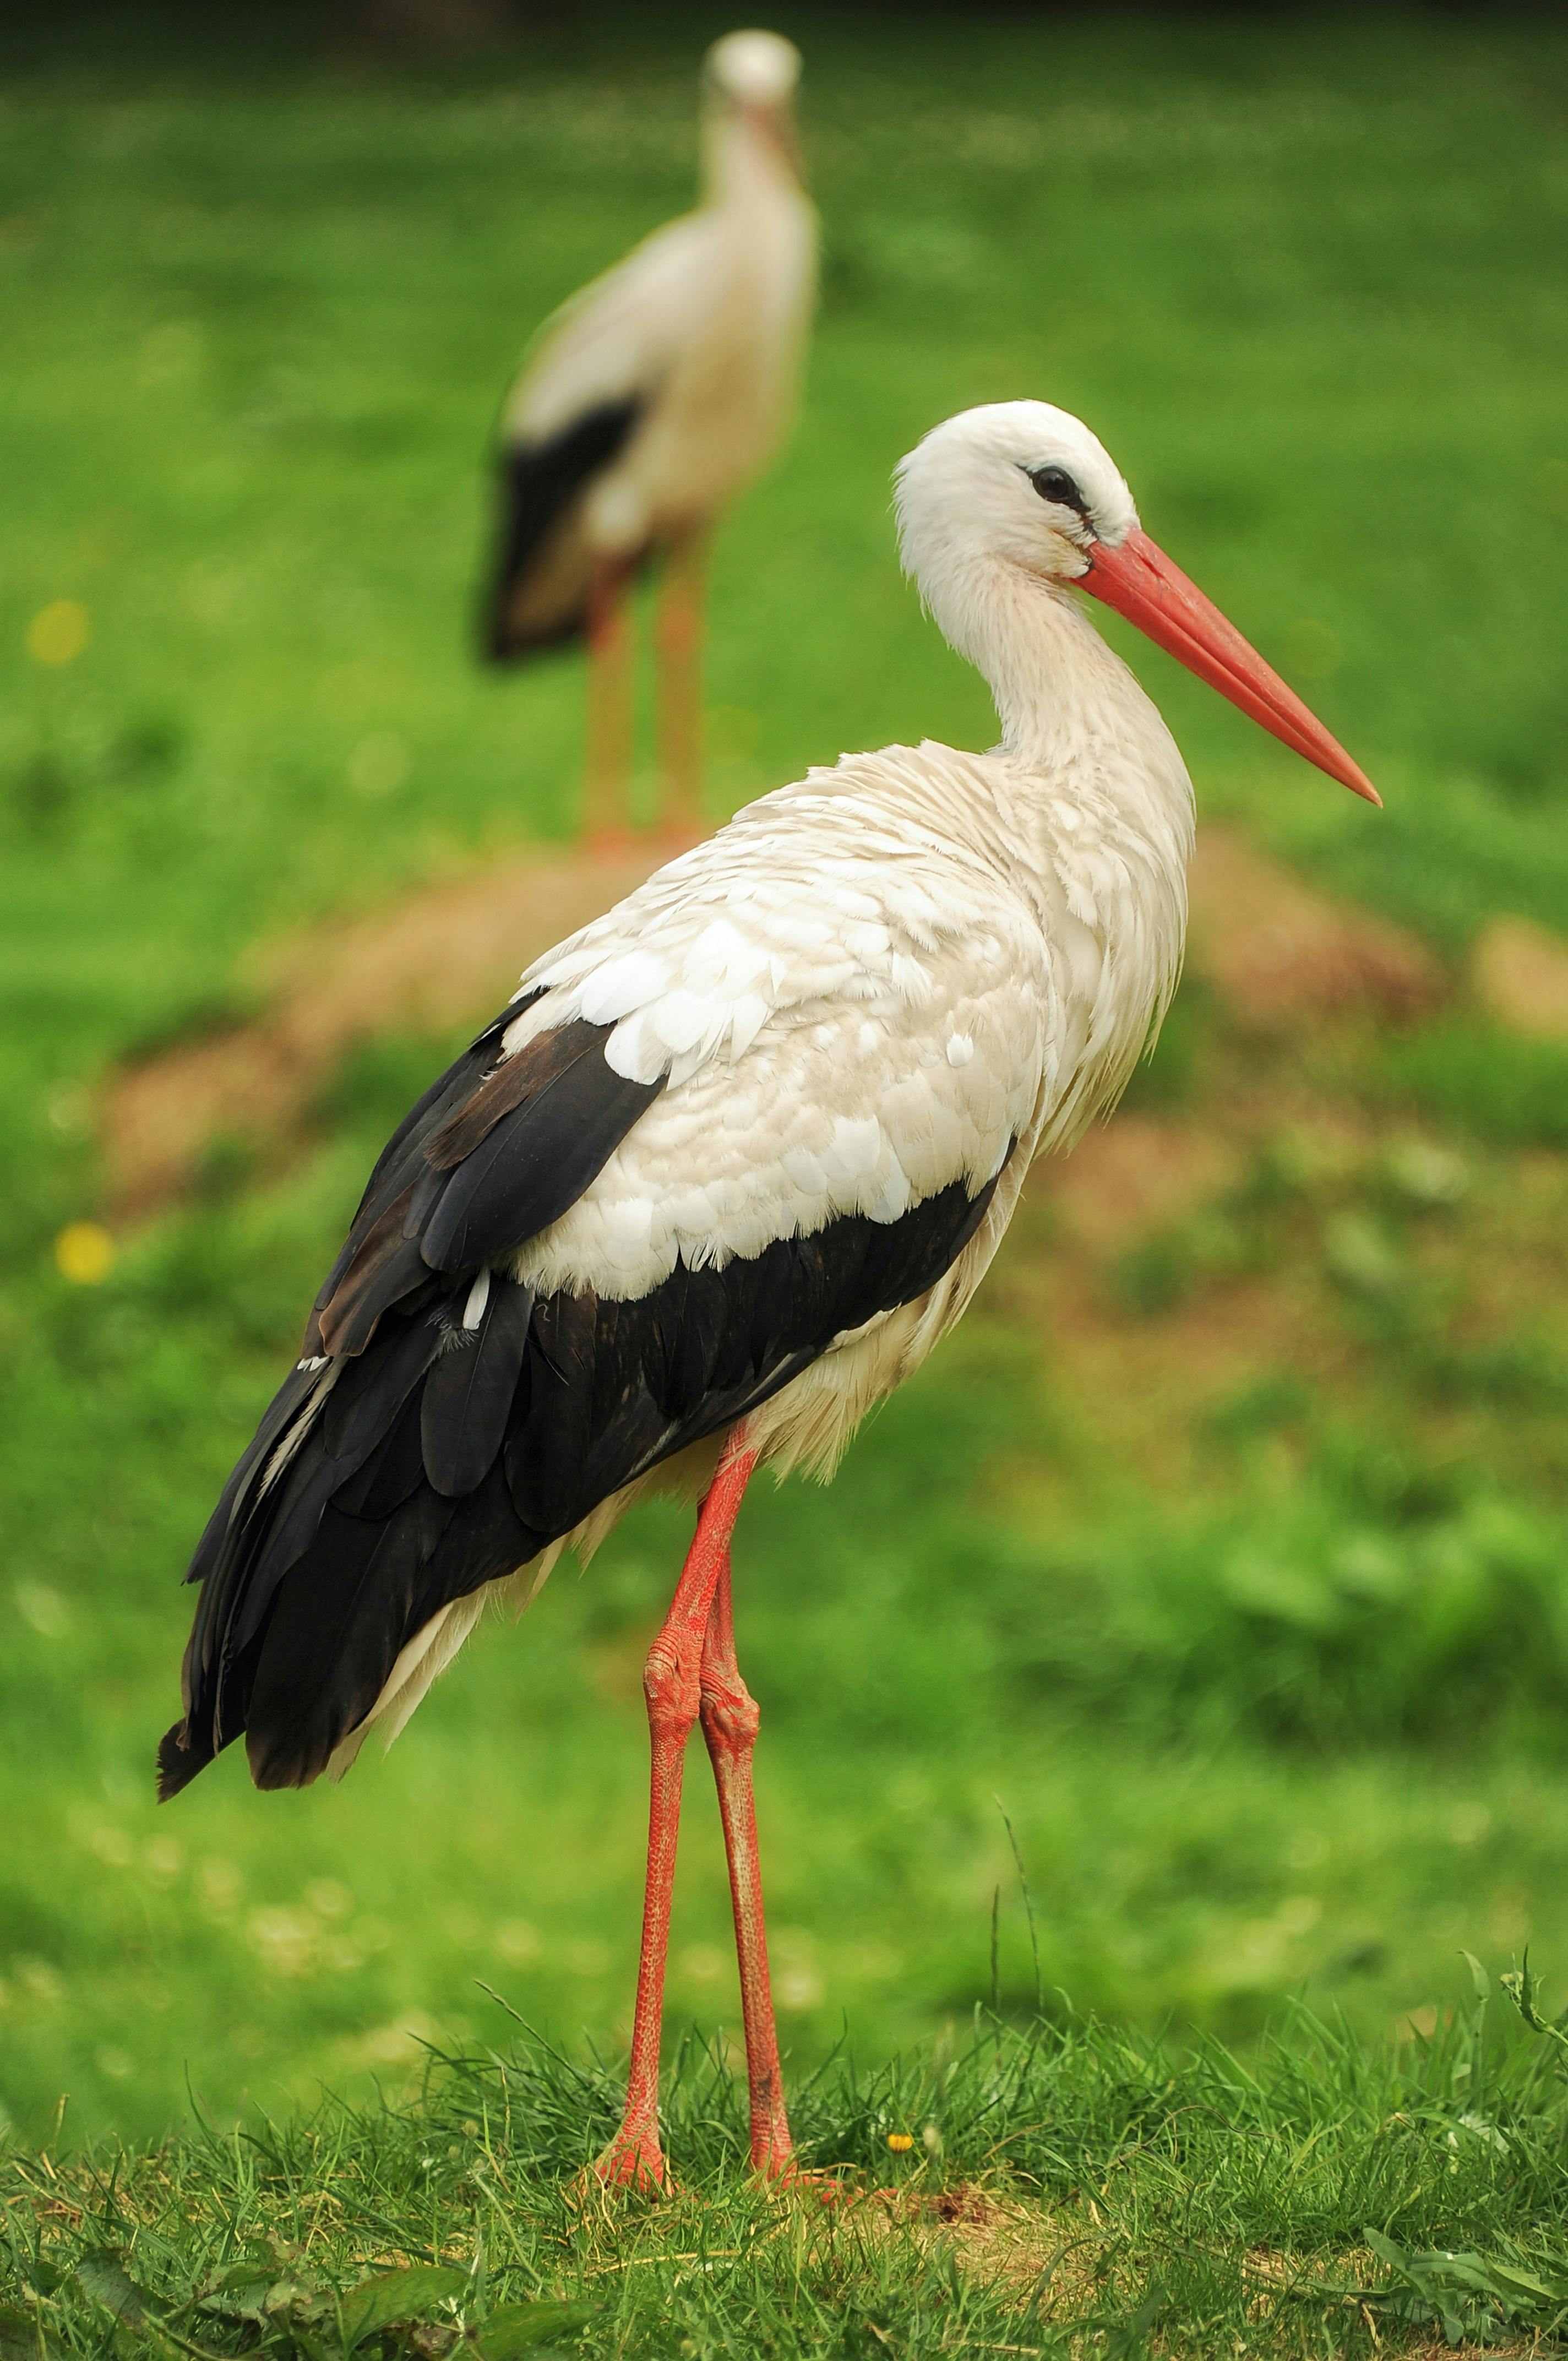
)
(652, 396)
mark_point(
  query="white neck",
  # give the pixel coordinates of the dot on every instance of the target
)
(1070, 711)
(743, 162)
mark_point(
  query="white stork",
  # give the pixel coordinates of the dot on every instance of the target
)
(723, 1171)
(655, 394)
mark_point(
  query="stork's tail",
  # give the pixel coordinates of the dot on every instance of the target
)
(319, 1566)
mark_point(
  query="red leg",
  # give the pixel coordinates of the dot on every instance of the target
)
(678, 631)
(672, 1684)
(606, 763)
(729, 1721)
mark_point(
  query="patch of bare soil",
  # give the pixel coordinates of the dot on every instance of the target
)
(1059, 2257)
(1276, 951)
(996, 2237)
(1520, 975)
(443, 957)
(1137, 1174)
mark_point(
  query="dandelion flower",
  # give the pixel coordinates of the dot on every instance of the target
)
(85, 1253)
(58, 633)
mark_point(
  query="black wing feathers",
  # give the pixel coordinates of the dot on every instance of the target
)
(290, 1399)
(430, 1458)
(370, 1391)
(341, 1433)
(439, 1207)
(393, 1471)
(385, 1267)
(362, 1585)
(402, 1165)
(467, 1404)
(534, 1162)
(538, 484)
(506, 1086)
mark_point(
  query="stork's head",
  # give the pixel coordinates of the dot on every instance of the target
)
(1017, 483)
(1022, 488)
(754, 73)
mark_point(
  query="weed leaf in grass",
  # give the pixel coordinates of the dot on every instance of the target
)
(398, 2295)
(1128, 2340)
(1470, 2294)
(240, 2294)
(514, 2328)
(24, 2339)
(106, 2279)
(247, 2292)
(1523, 1988)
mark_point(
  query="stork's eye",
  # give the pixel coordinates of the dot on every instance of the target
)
(1056, 484)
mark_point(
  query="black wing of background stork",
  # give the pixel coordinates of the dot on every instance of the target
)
(444, 1424)
(538, 483)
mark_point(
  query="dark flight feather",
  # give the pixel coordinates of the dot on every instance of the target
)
(402, 1165)
(468, 1394)
(386, 1266)
(344, 1607)
(392, 1472)
(382, 1316)
(372, 1389)
(539, 483)
(287, 1404)
(506, 1086)
(529, 1162)
(536, 1161)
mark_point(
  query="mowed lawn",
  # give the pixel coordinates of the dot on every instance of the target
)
(1310, 284)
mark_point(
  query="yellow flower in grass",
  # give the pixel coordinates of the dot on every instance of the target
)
(900, 2142)
(85, 1253)
(58, 633)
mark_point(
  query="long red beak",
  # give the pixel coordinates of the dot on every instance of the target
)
(1139, 580)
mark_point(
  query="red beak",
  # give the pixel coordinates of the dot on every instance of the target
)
(1139, 580)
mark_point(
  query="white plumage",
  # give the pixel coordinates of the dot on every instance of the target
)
(853, 1005)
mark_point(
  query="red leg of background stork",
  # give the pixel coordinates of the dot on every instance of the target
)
(678, 634)
(730, 1720)
(672, 1682)
(607, 759)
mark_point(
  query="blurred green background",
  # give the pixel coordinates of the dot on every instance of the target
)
(1227, 1549)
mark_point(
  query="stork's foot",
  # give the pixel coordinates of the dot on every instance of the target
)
(774, 2162)
(612, 844)
(811, 2187)
(633, 2159)
(672, 836)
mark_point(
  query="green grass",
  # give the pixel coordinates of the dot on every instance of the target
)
(1270, 1684)
(1054, 2191)
(1483, 1080)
